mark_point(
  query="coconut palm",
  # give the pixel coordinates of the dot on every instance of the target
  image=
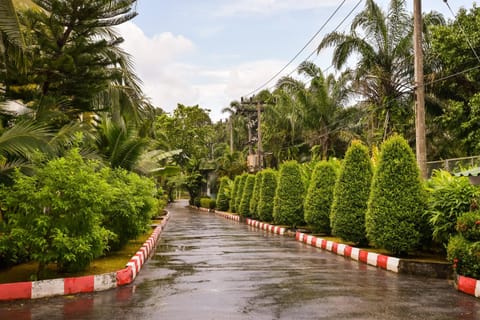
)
(382, 43)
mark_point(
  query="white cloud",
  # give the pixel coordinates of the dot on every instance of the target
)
(272, 6)
(169, 80)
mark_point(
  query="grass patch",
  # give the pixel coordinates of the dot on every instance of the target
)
(113, 261)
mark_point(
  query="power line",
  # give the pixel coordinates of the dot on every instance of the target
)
(463, 31)
(299, 52)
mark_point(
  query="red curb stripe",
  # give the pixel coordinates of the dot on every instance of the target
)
(13, 291)
(363, 256)
(467, 285)
(324, 244)
(314, 241)
(334, 247)
(124, 276)
(382, 261)
(348, 251)
(297, 236)
(78, 284)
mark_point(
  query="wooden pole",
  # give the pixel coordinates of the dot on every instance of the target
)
(421, 145)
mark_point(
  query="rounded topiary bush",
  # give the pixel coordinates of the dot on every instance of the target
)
(267, 194)
(239, 193)
(289, 196)
(468, 225)
(351, 193)
(464, 256)
(223, 197)
(244, 209)
(233, 194)
(319, 198)
(253, 207)
(395, 217)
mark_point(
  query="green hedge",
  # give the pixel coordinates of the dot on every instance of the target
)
(319, 198)
(395, 217)
(351, 194)
(267, 195)
(233, 194)
(244, 209)
(253, 207)
(239, 193)
(223, 197)
(468, 225)
(464, 256)
(448, 198)
(289, 196)
(208, 203)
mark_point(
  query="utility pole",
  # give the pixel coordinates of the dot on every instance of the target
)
(421, 144)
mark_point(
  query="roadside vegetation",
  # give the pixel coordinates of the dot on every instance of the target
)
(87, 160)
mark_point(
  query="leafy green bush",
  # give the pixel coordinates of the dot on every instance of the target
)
(395, 217)
(212, 204)
(319, 198)
(289, 196)
(205, 202)
(448, 197)
(468, 225)
(196, 202)
(239, 194)
(464, 256)
(268, 185)
(352, 190)
(253, 206)
(244, 209)
(223, 197)
(233, 194)
(57, 213)
(130, 213)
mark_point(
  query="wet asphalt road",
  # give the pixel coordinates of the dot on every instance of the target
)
(207, 267)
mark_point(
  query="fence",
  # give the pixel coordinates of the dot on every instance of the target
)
(453, 165)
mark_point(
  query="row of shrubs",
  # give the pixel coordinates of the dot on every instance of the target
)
(377, 200)
(71, 211)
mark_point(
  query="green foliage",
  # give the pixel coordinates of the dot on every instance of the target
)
(244, 209)
(239, 193)
(134, 204)
(351, 194)
(233, 194)
(57, 213)
(223, 196)
(464, 256)
(289, 195)
(253, 206)
(395, 217)
(319, 198)
(448, 198)
(206, 202)
(468, 225)
(268, 185)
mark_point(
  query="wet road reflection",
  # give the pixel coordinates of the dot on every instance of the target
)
(208, 267)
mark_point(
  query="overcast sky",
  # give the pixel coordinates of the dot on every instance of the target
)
(211, 52)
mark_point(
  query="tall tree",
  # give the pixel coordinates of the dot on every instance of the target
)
(382, 42)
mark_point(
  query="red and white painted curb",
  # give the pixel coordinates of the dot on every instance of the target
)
(67, 286)
(266, 226)
(227, 215)
(468, 285)
(371, 258)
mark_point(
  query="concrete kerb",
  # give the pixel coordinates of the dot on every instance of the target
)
(84, 284)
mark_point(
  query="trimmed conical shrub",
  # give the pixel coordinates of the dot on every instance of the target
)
(351, 194)
(244, 209)
(289, 196)
(395, 217)
(256, 195)
(223, 196)
(319, 198)
(267, 194)
(239, 193)
(233, 194)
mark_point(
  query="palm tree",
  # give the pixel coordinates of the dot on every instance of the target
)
(383, 71)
